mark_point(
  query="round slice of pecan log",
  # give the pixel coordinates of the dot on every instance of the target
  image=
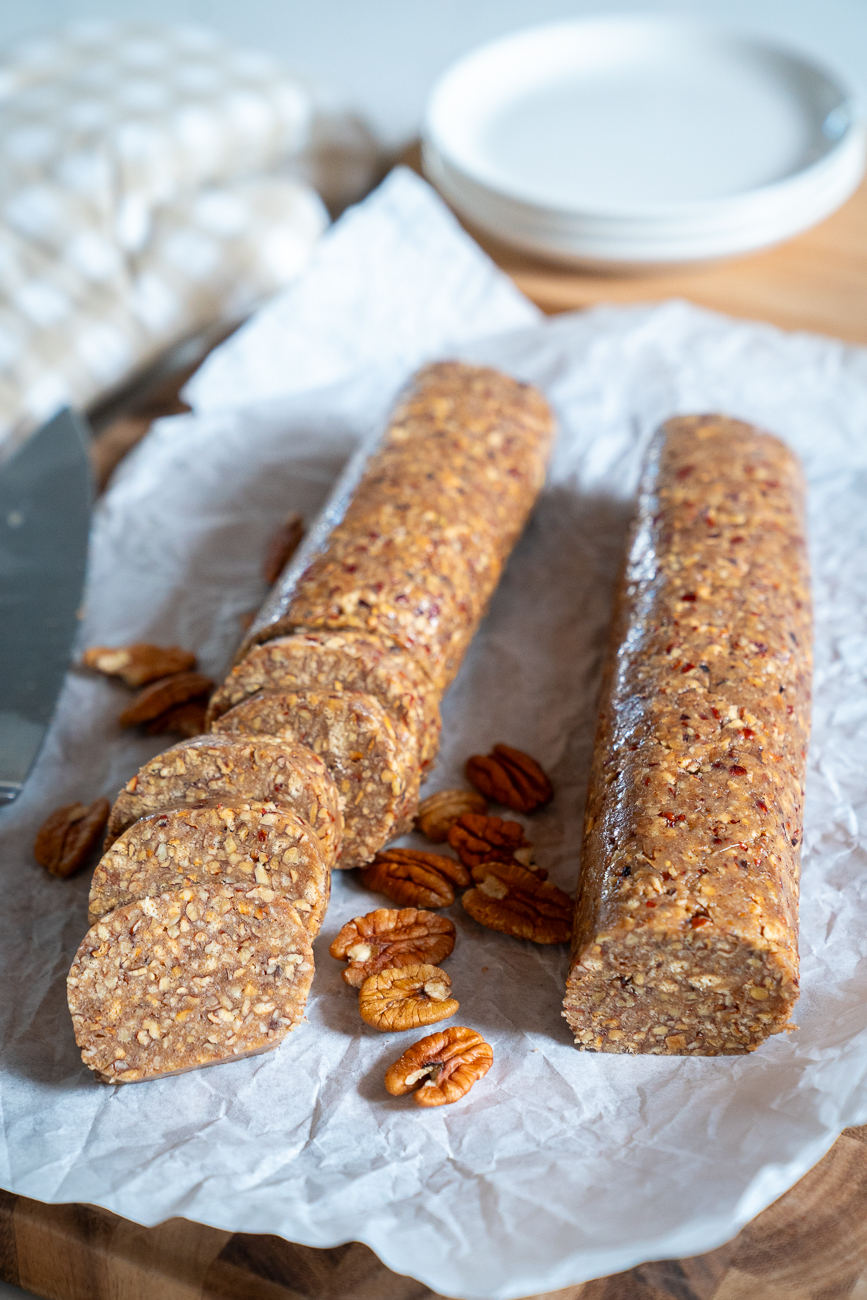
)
(510, 777)
(388, 938)
(441, 1068)
(65, 839)
(405, 997)
(438, 813)
(163, 695)
(509, 898)
(492, 839)
(415, 879)
(139, 663)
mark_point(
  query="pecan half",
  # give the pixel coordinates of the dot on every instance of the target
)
(438, 813)
(65, 839)
(415, 879)
(163, 695)
(492, 839)
(509, 898)
(441, 1068)
(282, 546)
(183, 720)
(139, 663)
(387, 938)
(406, 997)
(510, 777)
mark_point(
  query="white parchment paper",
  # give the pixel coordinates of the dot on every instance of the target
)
(560, 1166)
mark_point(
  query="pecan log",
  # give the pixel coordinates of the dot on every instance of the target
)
(388, 938)
(510, 777)
(438, 813)
(406, 997)
(139, 663)
(491, 839)
(441, 1068)
(165, 694)
(415, 879)
(65, 839)
(509, 898)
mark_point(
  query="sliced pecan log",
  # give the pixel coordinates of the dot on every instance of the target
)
(388, 938)
(282, 546)
(441, 1068)
(406, 997)
(491, 839)
(163, 695)
(415, 879)
(509, 898)
(65, 839)
(510, 777)
(438, 813)
(139, 663)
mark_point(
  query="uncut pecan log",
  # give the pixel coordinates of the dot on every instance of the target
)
(686, 927)
(442, 501)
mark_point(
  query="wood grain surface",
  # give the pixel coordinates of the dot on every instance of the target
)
(810, 1245)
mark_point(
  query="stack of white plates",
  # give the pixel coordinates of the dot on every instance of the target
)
(640, 141)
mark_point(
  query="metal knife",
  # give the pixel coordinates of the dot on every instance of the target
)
(46, 493)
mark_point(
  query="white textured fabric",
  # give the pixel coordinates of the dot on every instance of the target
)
(140, 200)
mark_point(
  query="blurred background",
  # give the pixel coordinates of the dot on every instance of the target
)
(123, 237)
(381, 57)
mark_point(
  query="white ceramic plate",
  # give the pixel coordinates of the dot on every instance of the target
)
(641, 140)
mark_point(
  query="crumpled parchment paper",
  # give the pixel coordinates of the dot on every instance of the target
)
(560, 1165)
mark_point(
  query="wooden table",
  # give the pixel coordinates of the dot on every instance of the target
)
(810, 1245)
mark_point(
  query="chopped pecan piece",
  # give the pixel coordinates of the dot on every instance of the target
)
(139, 663)
(183, 720)
(510, 898)
(510, 777)
(163, 695)
(441, 1068)
(492, 839)
(388, 938)
(65, 839)
(282, 546)
(415, 879)
(406, 997)
(438, 813)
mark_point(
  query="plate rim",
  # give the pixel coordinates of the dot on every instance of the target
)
(658, 24)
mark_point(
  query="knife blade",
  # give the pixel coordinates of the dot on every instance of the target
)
(46, 493)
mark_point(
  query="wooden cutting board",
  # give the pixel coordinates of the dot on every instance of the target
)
(809, 1245)
(816, 282)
